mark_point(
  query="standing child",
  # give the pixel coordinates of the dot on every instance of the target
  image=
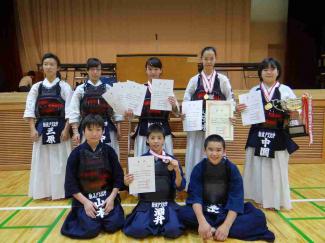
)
(153, 68)
(215, 203)
(269, 145)
(87, 99)
(46, 111)
(157, 212)
(93, 178)
(207, 85)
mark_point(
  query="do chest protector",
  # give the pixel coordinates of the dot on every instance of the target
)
(164, 185)
(95, 172)
(49, 103)
(93, 102)
(215, 183)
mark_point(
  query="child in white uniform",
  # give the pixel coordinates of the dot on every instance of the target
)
(206, 85)
(269, 145)
(46, 111)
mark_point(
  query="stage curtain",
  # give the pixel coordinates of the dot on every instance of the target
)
(78, 29)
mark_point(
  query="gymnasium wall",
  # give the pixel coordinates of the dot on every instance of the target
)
(76, 30)
(16, 145)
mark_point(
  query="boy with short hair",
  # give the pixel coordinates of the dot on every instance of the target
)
(157, 212)
(93, 178)
(215, 205)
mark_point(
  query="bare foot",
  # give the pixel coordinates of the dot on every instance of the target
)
(270, 209)
(259, 205)
(58, 199)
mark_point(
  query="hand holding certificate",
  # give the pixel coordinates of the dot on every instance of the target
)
(111, 99)
(143, 171)
(193, 115)
(126, 95)
(254, 113)
(161, 90)
(136, 95)
(218, 114)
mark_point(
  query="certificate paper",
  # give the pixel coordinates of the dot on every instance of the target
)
(120, 93)
(193, 115)
(217, 119)
(136, 95)
(126, 95)
(254, 113)
(161, 89)
(143, 170)
(110, 98)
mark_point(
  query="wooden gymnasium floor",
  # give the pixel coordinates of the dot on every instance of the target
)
(305, 223)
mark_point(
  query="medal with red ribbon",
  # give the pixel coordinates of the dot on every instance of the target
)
(208, 83)
(165, 158)
(268, 94)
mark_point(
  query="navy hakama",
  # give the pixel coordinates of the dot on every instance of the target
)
(142, 222)
(250, 223)
(79, 225)
(157, 213)
(94, 174)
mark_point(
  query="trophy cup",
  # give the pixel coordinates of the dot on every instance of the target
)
(295, 127)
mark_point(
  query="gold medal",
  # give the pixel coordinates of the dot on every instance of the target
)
(268, 106)
(206, 97)
(170, 167)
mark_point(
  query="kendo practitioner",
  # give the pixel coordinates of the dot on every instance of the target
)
(47, 113)
(215, 204)
(269, 144)
(93, 179)
(153, 68)
(87, 99)
(206, 85)
(157, 212)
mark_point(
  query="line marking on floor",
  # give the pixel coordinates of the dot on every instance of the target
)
(308, 188)
(52, 226)
(312, 203)
(25, 227)
(294, 227)
(14, 213)
(294, 188)
(128, 205)
(309, 200)
(307, 218)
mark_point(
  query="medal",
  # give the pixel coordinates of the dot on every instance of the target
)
(206, 97)
(207, 84)
(170, 167)
(268, 94)
(166, 159)
(268, 106)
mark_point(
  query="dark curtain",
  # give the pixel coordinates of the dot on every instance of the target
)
(10, 68)
(304, 43)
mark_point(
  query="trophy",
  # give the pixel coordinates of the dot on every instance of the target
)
(296, 127)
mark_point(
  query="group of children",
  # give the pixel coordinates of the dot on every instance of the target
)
(91, 174)
(215, 204)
